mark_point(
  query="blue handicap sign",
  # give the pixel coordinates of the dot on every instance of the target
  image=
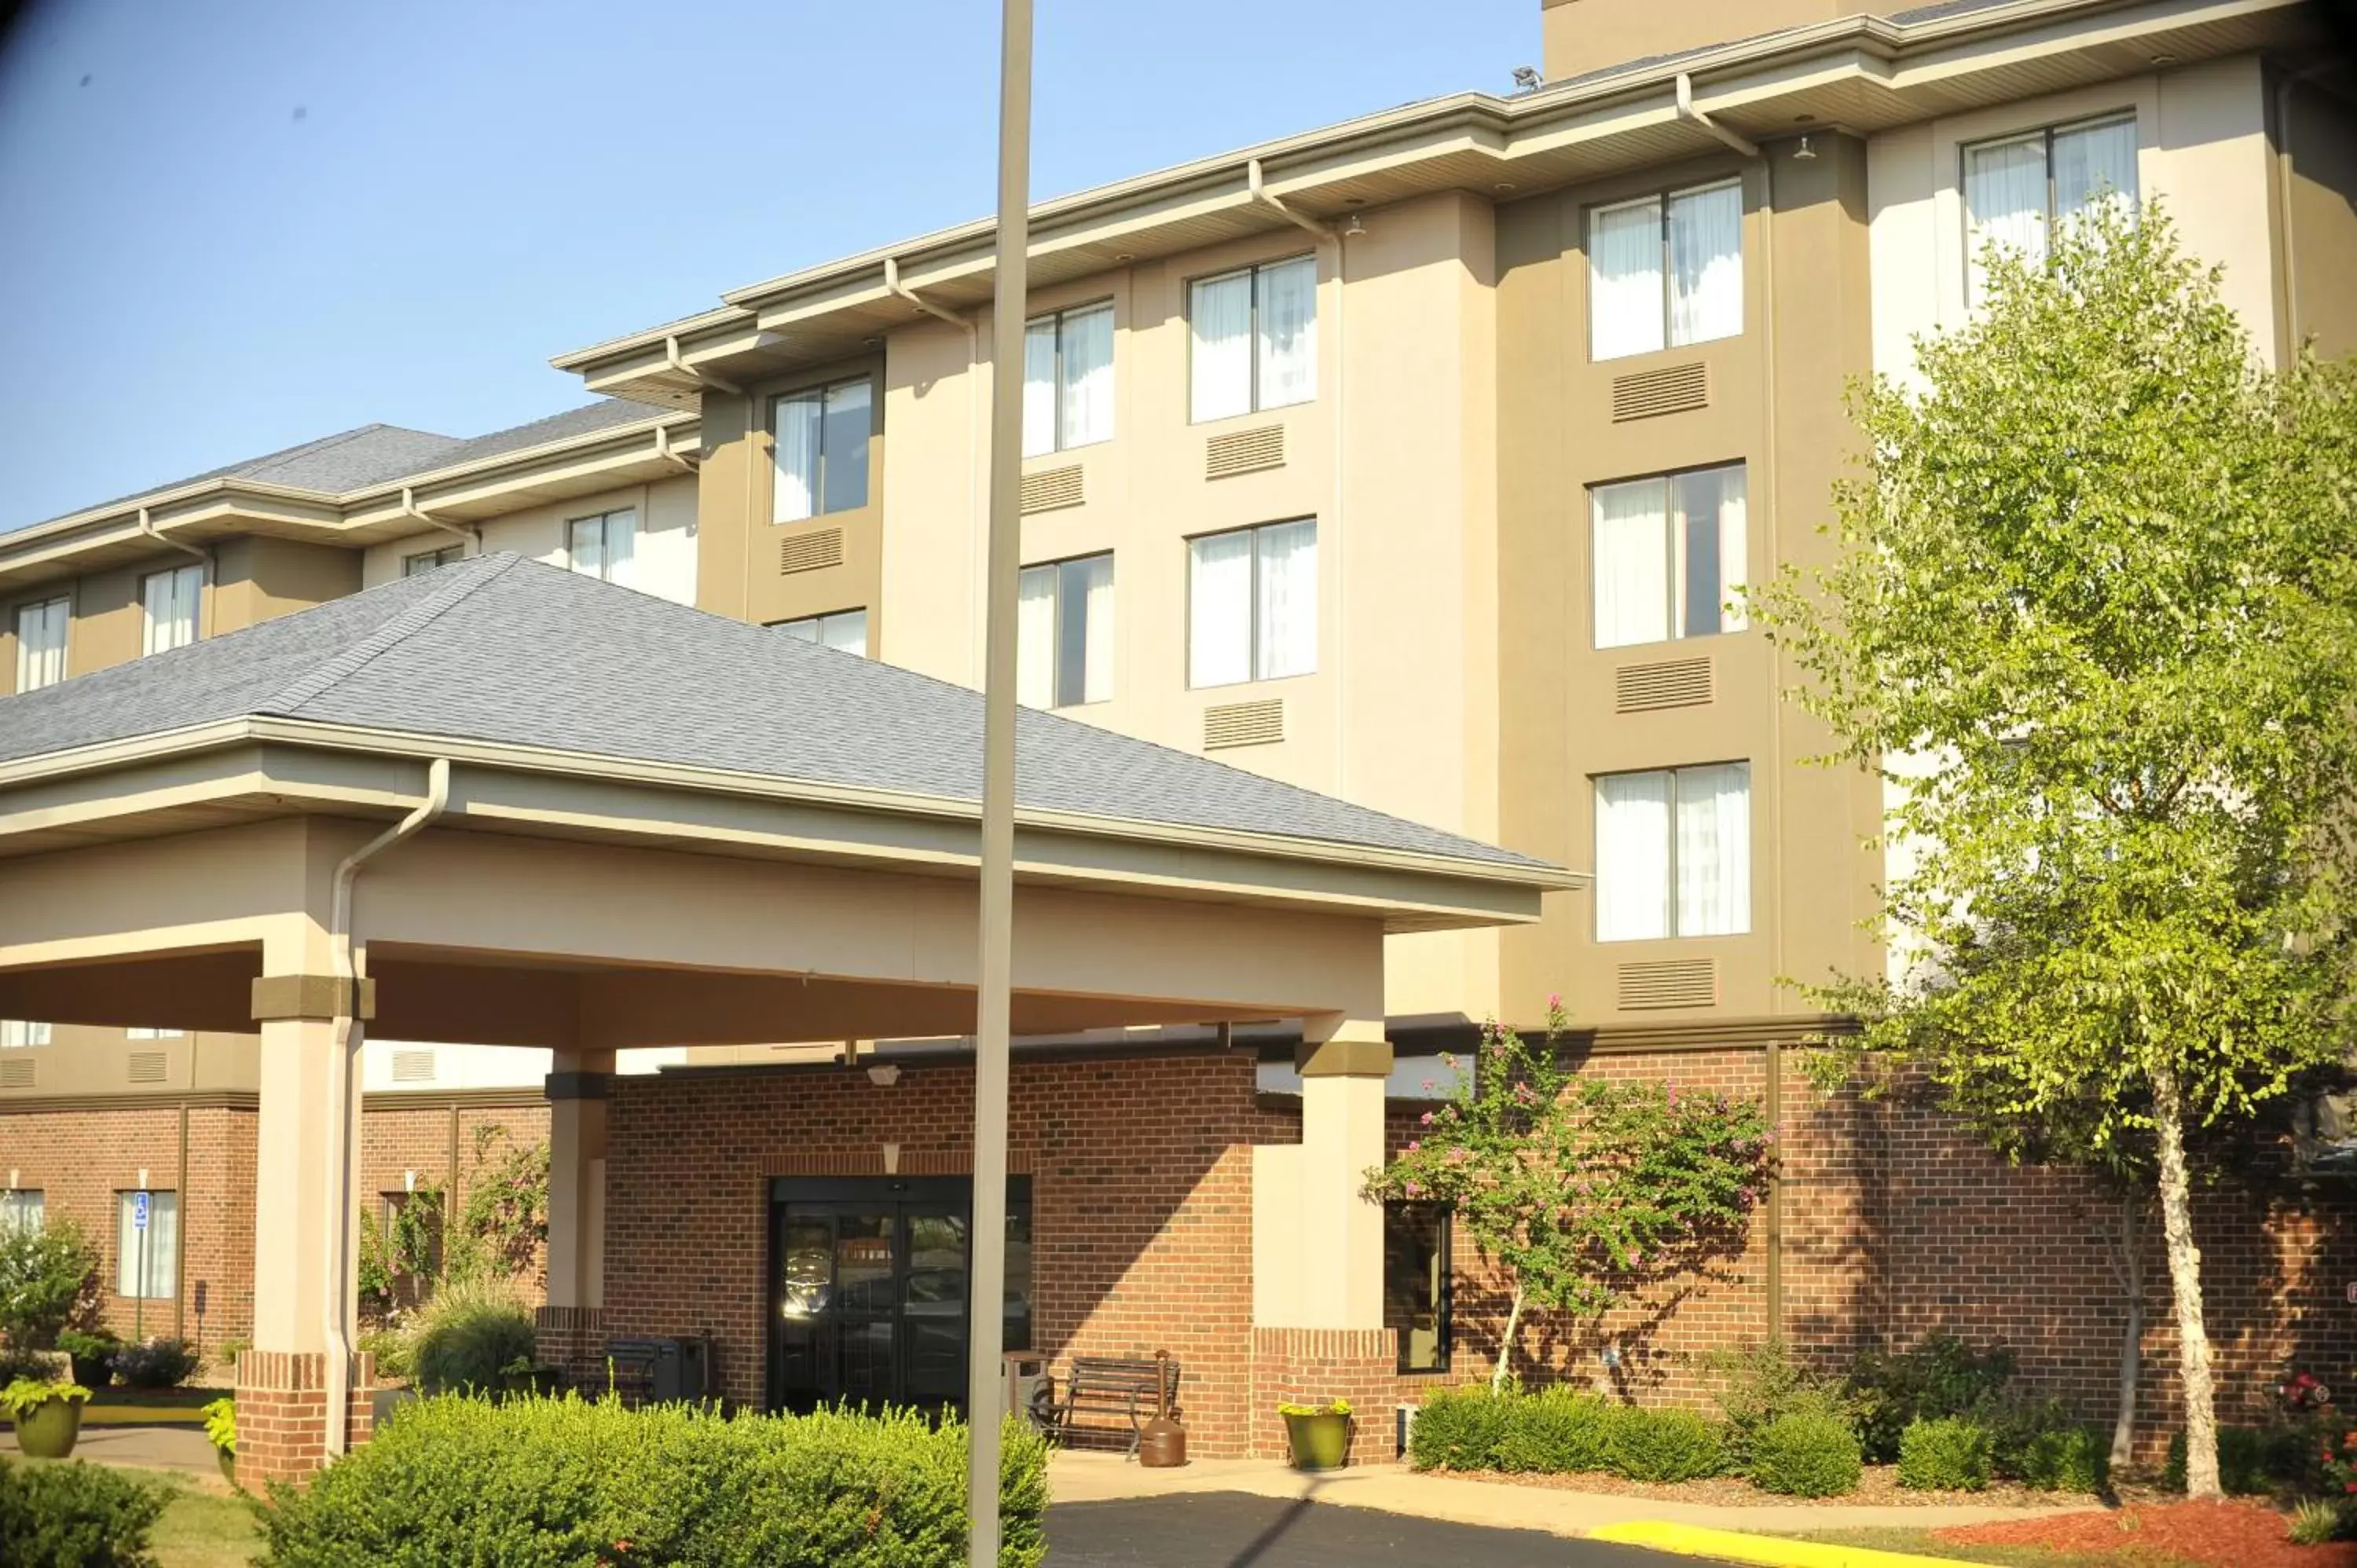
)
(139, 1211)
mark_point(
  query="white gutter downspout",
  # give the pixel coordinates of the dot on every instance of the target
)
(1686, 111)
(701, 378)
(147, 526)
(343, 1070)
(973, 388)
(464, 532)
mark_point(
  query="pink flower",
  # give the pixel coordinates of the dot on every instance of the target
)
(1429, 1085)
(1457, 1157)
(1554, 1000)
(1414, 1190)
(1413, 1146)
(1426, 1119)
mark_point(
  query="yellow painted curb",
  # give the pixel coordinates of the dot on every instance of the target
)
(1769, 1551)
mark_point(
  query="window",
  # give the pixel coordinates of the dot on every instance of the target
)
(1068, 380)
(141, 1032)
(820, 442)
(168, 603)
(1674, 853)
(2016, 188)
(844, 629)
(23, 1212)
(17, 1033)
(1666, 270)
(41, 643)
(605, 546)
(1416, 1283)
(1667, 555)
(1064, 633)
(147, 1244)
(426, 561)
(1256, 339)
(1253, 604)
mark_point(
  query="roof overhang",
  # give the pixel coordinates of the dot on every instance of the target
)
(239, 771)
(1859, 74)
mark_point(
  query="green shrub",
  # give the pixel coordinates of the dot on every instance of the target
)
(2254, 1461)
(1560, 1431)
(2059, 1460)
(75, 1516)
(1949, 1455)
(1940, 1375)
(49, 1279)
(2316, 1522)
(468, 1336)
(1763, 1385)
(156, 1364)
(1807, 1457)
(559, 1482)
(1654, 1444)
(1458, 1429)
(395, 1349)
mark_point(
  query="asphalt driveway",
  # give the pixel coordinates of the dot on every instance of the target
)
(1236, 1530)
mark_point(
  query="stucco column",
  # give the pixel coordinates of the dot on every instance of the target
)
(1344, 1061)
(570, 1330)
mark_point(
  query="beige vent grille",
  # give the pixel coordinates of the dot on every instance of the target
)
(147, 1067)
(1669, 982)
(809, 552)
(17, 1075)
(1674, 388)
(413, 1066)
(1244, 451)
(1244, 724)
(1051, 489)
(1671, 683)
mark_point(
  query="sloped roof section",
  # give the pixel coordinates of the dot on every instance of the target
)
(502, 649)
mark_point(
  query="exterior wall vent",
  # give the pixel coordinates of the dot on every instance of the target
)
(1669, 982)
(1244, 724)
(19, 1074)
(1674, 388)
(1243, 452)
(809, 552)
(413, 1066)
(1670, 684)
(147, 1067)
(1052, 490)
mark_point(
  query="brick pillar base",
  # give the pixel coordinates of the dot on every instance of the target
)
(281, 1401)
(572, 1338)
(1312, 1366)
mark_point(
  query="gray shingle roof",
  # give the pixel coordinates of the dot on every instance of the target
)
(501, 648)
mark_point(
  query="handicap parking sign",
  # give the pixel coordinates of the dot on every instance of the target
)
(139, 1211)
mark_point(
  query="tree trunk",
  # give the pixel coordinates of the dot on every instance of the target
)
(2131, 1275)
(1506, 1345)
(2185, 1285)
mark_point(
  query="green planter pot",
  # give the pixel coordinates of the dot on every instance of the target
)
(1321, 1442)
(50, 1431)
(92, 1372)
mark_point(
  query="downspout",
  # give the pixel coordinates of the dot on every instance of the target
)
(974, 392)
(147, 526)
(341, 1072)
(464, 532)
(1686, 111)
(701, 378)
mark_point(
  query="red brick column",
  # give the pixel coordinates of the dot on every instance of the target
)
(1311, 1366)
(281, 1401)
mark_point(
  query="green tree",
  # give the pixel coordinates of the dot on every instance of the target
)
(2094, 620)
(1582, 1189)
(48, 1278)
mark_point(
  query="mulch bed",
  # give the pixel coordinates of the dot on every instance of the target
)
(1879, 1486)
(2244, 1533)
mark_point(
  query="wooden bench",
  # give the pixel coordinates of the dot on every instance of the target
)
(1135, 1391)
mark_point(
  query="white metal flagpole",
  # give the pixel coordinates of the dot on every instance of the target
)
(986, 1374)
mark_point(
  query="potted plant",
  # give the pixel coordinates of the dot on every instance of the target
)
(1320, 1434)
(220, 1430)
(525, 1376)
(48, 1416)
(92, 1353)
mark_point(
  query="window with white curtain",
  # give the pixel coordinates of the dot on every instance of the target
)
(23, 1212)
(1667, 554)
(821, 445)
(426, 561)
(846, 631)
(1068, 380)
(1674, 853)
(2018, 188)
(1666, 270)
(168, 603)
(605, 546)
(17, 1033)
(147, 1258)
(41, 643)
(1253, 604)
(1254, 336)
(1064, 633)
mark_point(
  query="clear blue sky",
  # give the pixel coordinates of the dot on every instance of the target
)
(228, 225)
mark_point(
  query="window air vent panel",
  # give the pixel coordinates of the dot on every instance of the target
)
(413, 1066)
(1244, 724)
(147, 1067)
(1674, 388)
(811, 552)
(1670, 684)
(1669, 982)
(1243, 452)
(1052, 490)
(17, 1075)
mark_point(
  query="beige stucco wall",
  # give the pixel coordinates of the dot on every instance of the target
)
(1589, 35)
(666, 551)
(2318, 223)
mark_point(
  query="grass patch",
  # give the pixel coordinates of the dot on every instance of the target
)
(1924, 1543)
(205, 1529)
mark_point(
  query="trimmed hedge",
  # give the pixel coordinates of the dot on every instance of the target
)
(1807, 1457)
(1950, 1454)
(1558, 1432)
(75, 1516)
(2061, 1459)
(563, 1483)
(2254, 1461)
(1652, 1444)
(1460, 1429)
(1561, 1432)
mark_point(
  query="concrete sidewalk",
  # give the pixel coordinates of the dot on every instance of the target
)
(1395, 1488)
(182, 1448)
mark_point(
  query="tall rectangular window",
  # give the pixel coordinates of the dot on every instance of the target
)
(1674, 853)
(1666, 270)
(426, 561)
(147, 1245)
(821, 445)
(1416, 1284)
(1254, 336)
(1068, 380)
(1667, 555)
(18, 1034)
(1064, 633)
(41, 643)
(2018, 188)
(168, 603)
(844, 630)
(23, 1212)
(605, 546)
(1253, 604)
